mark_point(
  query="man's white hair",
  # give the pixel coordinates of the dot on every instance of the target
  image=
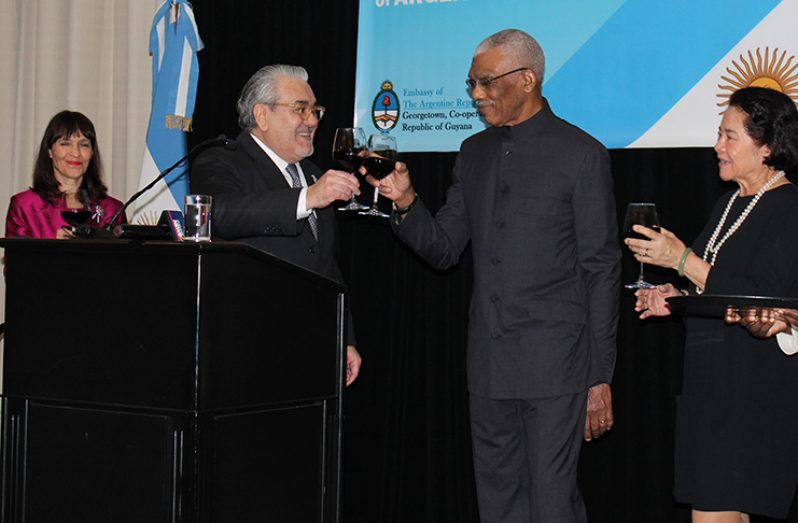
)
(521, 46)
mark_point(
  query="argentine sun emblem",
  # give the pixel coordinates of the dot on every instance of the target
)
(385, 110)
(771, 71)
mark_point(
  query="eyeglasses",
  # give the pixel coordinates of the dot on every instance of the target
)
(487, 82)
(304, 109)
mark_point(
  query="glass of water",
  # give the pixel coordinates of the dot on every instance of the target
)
(197, 217)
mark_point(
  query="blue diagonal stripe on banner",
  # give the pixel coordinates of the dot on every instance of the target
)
(650, 69)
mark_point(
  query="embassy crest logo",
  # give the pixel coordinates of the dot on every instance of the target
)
(385, 109)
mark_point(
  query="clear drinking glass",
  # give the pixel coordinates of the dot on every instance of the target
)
(645, 214)
(197, 217)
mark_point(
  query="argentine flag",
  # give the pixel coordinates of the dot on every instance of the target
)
(174, 43)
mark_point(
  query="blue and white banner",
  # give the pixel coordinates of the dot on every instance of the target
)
(633, 73)
(174, 43)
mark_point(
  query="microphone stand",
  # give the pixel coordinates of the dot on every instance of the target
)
(219, 140)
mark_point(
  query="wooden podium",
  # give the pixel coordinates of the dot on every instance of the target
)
(169, 382)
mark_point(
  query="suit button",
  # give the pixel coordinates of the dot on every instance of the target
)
(499, 225)
(495, 261)
(505, 189)
(494, 298)
(312, 250)
(495, 335)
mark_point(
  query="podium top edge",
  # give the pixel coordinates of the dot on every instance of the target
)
(216, 247)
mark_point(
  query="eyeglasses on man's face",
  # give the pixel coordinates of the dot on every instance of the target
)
(485, 83)
(304, 109)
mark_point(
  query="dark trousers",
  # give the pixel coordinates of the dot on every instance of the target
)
(526, 453)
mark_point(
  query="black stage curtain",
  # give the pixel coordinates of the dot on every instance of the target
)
(407, 443)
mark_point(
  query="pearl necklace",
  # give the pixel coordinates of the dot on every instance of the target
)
(711, 246)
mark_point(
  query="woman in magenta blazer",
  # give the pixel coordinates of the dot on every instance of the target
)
(67, 175)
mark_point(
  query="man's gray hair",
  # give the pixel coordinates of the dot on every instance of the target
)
(261, 88)
(523, 47)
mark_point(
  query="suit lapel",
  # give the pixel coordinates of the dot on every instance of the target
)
(269, 173)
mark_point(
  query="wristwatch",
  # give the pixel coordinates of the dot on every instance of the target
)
(404, 210)
(399, 212)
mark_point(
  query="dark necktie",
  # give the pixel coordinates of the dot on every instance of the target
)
(296, 184)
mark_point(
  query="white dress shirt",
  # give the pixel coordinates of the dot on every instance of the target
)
(788, 341)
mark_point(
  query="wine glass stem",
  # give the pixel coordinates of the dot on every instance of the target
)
(376, 197)
(641, 277)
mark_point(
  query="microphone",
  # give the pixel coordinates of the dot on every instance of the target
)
(220, 140)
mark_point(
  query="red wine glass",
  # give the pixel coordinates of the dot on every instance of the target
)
(380, 163)
(348, 151)
(75, 217)
(640, 213)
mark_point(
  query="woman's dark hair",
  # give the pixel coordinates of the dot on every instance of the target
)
(64, 125)
(772, 120)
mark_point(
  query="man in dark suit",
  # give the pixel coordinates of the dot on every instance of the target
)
(265, 192)
(533, 194)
